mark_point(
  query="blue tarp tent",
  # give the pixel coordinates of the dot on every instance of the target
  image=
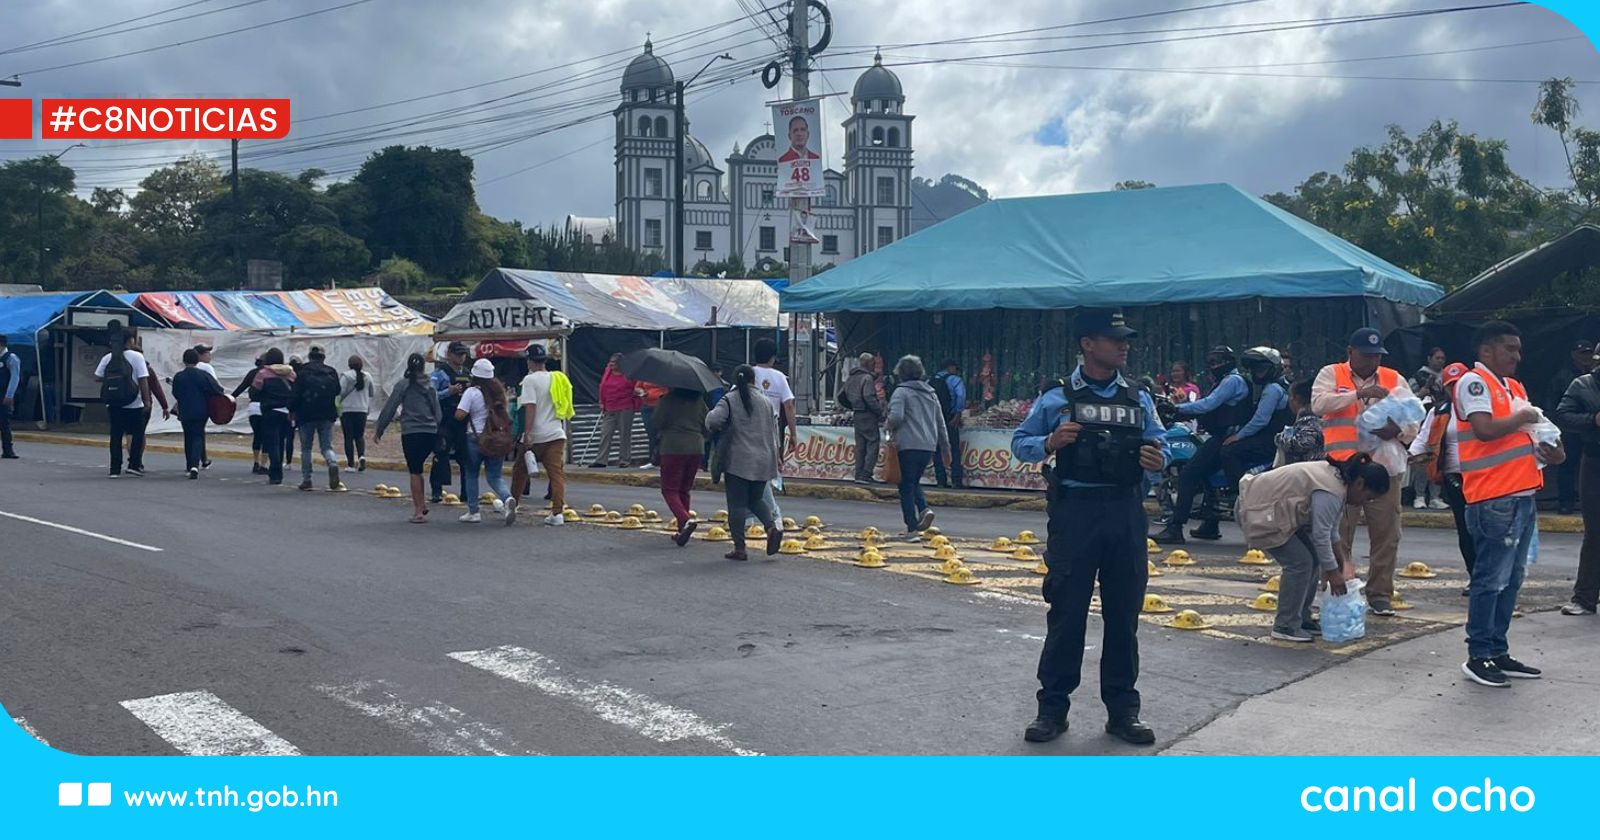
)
(1130, 248)
(25, 318)
(993, 288)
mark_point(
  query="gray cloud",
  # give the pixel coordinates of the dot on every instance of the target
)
(1264, 134)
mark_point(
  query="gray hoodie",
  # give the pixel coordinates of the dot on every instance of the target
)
(419, 408)
(915, 420)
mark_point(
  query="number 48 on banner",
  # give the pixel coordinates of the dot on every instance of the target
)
(800, 163)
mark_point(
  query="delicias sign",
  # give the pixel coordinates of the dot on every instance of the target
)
(829, 452)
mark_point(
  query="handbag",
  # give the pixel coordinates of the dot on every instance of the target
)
(220, 408)
(891, 462)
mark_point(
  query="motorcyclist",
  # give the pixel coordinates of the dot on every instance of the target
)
(1241, 415)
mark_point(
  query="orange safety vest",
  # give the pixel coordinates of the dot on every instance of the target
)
(1340, 438)
(1492, 469)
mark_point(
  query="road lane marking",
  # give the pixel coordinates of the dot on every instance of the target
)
(28, 728)
(625, 707)
(199, 723)
(440, 726)
(79, 531)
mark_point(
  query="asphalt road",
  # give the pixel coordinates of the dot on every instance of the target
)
(271, 620)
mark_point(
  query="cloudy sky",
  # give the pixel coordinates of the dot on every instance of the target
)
(1080, 108)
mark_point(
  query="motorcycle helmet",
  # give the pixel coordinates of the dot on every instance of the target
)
(1262, 361)
(1221, 360)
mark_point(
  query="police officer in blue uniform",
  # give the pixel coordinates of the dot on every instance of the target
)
(1222, 413)
(1099, 434)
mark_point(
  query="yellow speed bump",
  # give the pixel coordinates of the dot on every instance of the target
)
(718, 534)
(652, 516)
(1272, 584)
(962, 576)
(1027, 538)
(488, 498)
(815, 542)
(719, 516)
(1179, 558)
(870, 534)
(939, 540)
(813, 522)
(1024, 553)
(932, 534)
(811, 531)
(1418, 570)
(1265, 602)
(792, 547)
(1255, 557)
(1154, 603)
(451, 500)
(597, 511)
(570, 515)
(1398, 603)
(381, 490)
(870, 559)
(631, 523)
(949, 566)
(789, 524)
(1188, 620)
(755, 532)
(946, 552)
(394, 493)
(1152, 571)
(636, 510)
(1002, 545)
(613, 516)
(1150, 546)
(1041, 569)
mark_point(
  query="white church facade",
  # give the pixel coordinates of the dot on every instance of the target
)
(732, 210)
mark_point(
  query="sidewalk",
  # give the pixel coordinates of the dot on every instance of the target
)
(386, 455)
(1411, 699)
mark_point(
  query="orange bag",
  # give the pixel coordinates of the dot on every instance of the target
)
(891, 463)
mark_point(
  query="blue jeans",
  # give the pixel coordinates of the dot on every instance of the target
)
(913, 463)
(476, 463)
(323, 430)
(1502, 530)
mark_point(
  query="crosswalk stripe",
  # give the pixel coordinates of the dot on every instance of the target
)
(440, 726)
(28, 728)
(200, 723)
(649, 717)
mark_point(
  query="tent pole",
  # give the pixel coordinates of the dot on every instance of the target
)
(661, 339)
(38, 361)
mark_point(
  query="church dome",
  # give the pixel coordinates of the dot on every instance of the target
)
(879, 82)
(647, 71)
(695, 153)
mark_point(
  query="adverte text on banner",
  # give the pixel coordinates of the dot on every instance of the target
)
(165, 119)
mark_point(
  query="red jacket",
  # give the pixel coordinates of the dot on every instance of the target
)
(616, 392)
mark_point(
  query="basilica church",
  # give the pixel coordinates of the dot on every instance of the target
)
(730, 209)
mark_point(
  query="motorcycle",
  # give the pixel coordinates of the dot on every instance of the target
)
(1218, 498)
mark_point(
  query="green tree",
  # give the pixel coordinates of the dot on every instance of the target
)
(35, 203)
(316, 255)
(169, 199)
(420, 206)
(1443, 205)
(399, 276)
(1557, 109)
(1123, 186)
(269, 206)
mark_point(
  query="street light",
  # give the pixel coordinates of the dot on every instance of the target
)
(38, 209)
(682, 123)
(11, 82)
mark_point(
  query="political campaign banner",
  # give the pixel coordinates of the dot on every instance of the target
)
(799, 128)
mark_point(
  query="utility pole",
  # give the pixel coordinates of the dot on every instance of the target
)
(800, 252)
(680, 123)
(238, 222)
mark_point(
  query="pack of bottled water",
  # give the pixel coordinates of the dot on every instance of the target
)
(1403, 409)
(1344, 617)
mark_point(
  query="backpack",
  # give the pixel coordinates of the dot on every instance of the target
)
(316, 389)
(497, 441)
(941, 389)
(118, 387)
(844, 394)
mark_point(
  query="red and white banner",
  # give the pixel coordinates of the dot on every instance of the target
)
(829, 452)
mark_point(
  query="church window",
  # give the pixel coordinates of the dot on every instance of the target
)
(877, 136)
(652, 233)
(885, 235)
(894, 138)
(830, 244)
(702, 191)
(769, 238)
(702, 240)
(652, 183)
(644, 126)
(661, 126)
(885, 190)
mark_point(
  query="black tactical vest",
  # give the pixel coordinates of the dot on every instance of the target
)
(1107, 450)
(1224, 419)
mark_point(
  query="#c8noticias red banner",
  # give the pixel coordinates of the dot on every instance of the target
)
(165, 119)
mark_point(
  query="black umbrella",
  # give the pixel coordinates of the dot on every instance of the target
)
(669, 369)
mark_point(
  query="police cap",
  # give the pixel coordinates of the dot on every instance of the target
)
(1094, 323)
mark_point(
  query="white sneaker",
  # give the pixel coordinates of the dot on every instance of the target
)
(1438, 504)
(555, 519)
(499, 506)
(1418, 503)
(469, 517)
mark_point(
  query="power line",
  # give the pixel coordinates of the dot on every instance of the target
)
(263, 25)
(1317, 24)
(62, 43)
(181, 7)
(1075, 24)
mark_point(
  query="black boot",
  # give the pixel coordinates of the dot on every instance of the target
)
(1044, 728)
(1131, 729)
(1206, 531)
(1170, 535)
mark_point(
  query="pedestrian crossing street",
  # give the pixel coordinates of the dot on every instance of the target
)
(203, 723)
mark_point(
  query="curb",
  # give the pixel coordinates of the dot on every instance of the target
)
(796, 488)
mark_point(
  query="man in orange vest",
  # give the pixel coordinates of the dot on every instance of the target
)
(1340, 393)
(1501, 470)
